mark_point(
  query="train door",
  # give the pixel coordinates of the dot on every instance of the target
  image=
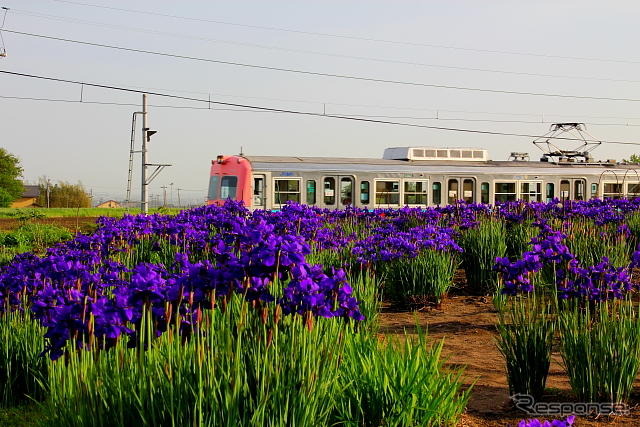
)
(338, 191)
(461, 189)
(579, 189)
(565, 189)
(573, 189)
(469, 190)
(453, 192)
(259, 192)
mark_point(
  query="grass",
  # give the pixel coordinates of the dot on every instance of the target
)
(422, 280)
(235, 376)
(482, 245)
(399, 383)
(589, 243)
(19, 213)
(22, 367)
(601, 350)
(525, 337)
(27, 415)
(30, 237)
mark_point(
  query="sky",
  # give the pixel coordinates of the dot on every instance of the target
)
(578, 48)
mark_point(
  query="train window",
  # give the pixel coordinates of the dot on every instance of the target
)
(478, 155)
(329, 191)
(484, 192)
(415, 192)
(452, 195)
(436, 193)
(611, 190)
(387, 192)
(551, 191)
(311, 192)
(430, 153)
(285, 190)
(346, 191)
(454, 154)
(228, 186)
(442, 153)
(505, 191)
(633, 190)
(565, 186)
(578, 189)
(214, 182)
(531, 191)
(364, 192)
(418, 153)
(466, 154)
(594, 190)
(468, 190)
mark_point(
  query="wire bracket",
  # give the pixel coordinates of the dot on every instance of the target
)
(3, 49)
(156, 171)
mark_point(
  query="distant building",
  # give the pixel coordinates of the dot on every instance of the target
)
(109, 204)
(29, 197)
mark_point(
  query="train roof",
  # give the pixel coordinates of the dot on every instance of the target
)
(345, 164)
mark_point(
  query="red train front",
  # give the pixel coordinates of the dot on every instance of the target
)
(230, 179)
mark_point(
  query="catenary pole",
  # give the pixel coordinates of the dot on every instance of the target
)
(144, 197)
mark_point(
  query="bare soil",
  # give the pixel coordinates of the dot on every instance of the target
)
(73, 224)
(467, 324)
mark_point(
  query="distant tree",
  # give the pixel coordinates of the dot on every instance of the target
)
(64, 195)
(10, 171)
(634, 159)
(5, 198)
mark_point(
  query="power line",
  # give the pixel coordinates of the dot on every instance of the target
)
(306, 113)
(185, 107)
(321, 74)
(350, 37)
(463, 119)
(327, 54)
(376, 106)
(121, 104)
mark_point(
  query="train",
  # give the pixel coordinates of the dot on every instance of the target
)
(416, 177)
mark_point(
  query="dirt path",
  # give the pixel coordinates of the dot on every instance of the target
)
(467, 325)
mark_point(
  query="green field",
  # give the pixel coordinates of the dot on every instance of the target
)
(20, 213)
(30, 237)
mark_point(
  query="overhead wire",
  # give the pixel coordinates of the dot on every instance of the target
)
(349, 37)
(301, 113)
(310, 52)
(121, 104)
(319, 103)
(322, 74)
(186, 107)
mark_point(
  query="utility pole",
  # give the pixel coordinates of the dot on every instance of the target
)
(179, 198)
(144, 202)
(164, 195)
(146, 137)
(48, 192)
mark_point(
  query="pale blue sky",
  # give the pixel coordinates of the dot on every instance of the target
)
(90, 143)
